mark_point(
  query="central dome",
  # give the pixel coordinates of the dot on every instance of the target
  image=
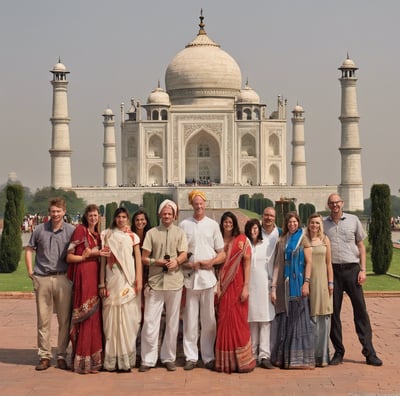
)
(203, 69)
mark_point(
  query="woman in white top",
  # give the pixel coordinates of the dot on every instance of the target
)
(261, 310)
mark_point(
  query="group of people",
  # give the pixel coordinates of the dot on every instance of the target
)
(266, 297)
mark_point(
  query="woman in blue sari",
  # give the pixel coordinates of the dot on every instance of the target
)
(293, 331)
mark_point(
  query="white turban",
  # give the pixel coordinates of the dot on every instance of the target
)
(172, 204)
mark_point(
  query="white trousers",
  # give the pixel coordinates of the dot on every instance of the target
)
(154, 303)
(199, 301)
(260, 340)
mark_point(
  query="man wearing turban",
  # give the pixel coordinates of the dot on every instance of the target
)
(164, 251)
(206, 249)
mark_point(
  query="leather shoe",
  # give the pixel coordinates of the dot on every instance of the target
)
(62, 364)
(143, 368)
(170, 366)
(337, 359)
(210, 365)
(190, 365)
(44, 364)
(373, 360)
(266, 363)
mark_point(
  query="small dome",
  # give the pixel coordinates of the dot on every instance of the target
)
(108, 111)
(248, 95)
(298, 109)
(158, 97)
(348, 64)
(59, 67)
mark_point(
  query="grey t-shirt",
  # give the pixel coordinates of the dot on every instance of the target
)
(344, 237)
(50, 247)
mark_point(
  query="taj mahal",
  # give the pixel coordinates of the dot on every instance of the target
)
(209, 128)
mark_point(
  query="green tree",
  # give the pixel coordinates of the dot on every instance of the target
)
(40, 201)
(151, 202)
(110, 209)
(380, 237)
(11, 242)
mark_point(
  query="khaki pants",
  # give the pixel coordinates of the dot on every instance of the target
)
(53, 294)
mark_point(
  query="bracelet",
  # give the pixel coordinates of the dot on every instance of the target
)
(363, 270)
(273, 287)
(330, 283)
(307, 280)
(151, 261)
(102, 286)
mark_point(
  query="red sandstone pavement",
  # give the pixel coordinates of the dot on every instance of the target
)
(18, 358)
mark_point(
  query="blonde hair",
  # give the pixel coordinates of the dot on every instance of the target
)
(321, 225)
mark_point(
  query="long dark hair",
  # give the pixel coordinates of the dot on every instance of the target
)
(146, 216)
(236, 230)
(116, 213)
(88, 209)
(248, 227)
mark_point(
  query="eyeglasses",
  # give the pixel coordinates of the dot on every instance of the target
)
(334, 202)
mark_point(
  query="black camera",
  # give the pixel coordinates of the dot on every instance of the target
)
(166, 257)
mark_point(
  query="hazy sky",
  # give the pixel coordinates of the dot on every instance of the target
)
(119, 49)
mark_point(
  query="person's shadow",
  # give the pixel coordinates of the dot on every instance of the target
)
(28, 357)
(19, 356)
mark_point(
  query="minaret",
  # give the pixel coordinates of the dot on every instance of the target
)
(60, 151)
(110, 154)
(299, 177)
(351, 186)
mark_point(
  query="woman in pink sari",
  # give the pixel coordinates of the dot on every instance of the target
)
(233, 351)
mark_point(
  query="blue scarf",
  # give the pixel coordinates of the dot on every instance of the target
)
(294, 263)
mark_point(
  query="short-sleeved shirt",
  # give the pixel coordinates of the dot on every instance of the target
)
(161, 241)
(204, 240)
(50, 247)
(344, 237)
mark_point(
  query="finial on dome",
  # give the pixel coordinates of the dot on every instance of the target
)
(202, 24)
(348, 57)
(59, 59)
(247, 82)
(158, 86)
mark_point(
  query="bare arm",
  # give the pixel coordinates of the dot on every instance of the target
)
(362, 276)
(329, 268)
(305, 290)
(208, 264)
(28, 261)
(102, 277)
(246, 275)
(138, 269)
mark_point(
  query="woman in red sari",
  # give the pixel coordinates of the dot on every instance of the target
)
(233, 351)
(86, 326)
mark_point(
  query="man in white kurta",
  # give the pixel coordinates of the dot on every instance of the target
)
(261, 310)
(206, 249)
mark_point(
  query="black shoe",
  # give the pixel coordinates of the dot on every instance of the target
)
(143, 368)
(337, 359)
(62, 364)
(266, 363)
(190, 365)
(373, 360)
(210, 365)
(170, 366)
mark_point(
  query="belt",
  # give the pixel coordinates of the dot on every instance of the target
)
(345, 265)
(52, 273)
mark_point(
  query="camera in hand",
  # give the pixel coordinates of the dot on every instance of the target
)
(166, 257)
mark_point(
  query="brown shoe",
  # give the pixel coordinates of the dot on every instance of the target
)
(44, 364)
(62, 364)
